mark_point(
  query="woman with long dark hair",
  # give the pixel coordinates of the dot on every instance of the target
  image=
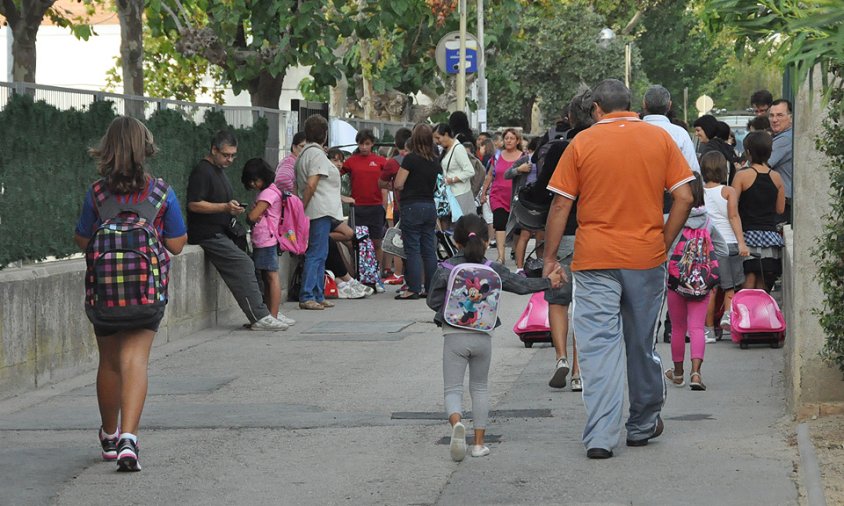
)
(416, 182)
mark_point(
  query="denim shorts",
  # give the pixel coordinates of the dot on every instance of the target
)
(266, 259)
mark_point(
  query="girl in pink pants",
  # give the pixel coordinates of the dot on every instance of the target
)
(688, 314)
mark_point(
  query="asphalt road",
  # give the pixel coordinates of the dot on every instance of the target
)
(346, 408)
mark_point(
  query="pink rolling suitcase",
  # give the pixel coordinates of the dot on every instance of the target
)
(755, 318)
(532, 326)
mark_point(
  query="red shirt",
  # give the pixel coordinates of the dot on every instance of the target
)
(365, 172)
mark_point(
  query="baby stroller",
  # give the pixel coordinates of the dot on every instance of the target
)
(533, 326)
(756, 318)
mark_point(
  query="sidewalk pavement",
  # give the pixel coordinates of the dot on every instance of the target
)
(346, 408)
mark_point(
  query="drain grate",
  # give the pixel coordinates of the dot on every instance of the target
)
(470, 438)
(350, 327)
(496, 413)
(693, 417)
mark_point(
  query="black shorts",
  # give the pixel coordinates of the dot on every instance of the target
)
(499, 219)
(374, 217)
(104, 328)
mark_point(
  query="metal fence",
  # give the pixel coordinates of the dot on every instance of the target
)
(282, 124)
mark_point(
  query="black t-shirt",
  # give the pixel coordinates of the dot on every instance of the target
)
(421, 180)
(210, 184)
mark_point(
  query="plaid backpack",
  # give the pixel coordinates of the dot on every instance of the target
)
(127, 264)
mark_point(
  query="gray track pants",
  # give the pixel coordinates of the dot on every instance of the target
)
(616, 311)
(459, 350)
(238, 272)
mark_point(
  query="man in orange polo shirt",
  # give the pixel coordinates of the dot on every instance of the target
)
(618, 170)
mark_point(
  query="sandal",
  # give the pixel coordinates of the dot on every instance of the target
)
(499, 260)
(407, 296)
(677, 382)
(696, 385)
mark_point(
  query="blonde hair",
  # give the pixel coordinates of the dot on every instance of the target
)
(121, 155)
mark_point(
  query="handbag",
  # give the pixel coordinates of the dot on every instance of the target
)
(456, 210)
(393, 242)
(238, 234)
(534, 264)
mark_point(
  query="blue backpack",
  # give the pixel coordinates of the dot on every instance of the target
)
(472, 295)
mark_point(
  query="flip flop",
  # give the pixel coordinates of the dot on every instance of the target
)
(696, 385)
(407, 296)
(669, 373)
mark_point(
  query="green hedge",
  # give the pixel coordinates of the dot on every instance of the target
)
(45, 168)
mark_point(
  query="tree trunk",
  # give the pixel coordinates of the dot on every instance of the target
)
(526, 113)
(24, 19)
(24, 56)
(265, 90)
(340, 98)
(130, 13)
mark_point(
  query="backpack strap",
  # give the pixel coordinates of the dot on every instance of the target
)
(108, 206)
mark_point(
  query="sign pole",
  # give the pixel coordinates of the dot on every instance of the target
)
(461, 74)
(481, 70)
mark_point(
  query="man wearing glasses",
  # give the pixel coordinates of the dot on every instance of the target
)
(212, 225)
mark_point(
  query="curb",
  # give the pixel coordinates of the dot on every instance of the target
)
(809, 469)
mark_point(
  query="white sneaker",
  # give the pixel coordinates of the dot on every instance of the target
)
(349, 291)
(558, 380)
(458, 442)
(725, 321)
(361, 287)
(379, 287)
(709, 335)
(269, 323)
(479, 451)
(286, 320)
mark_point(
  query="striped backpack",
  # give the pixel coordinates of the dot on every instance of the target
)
(127, 264)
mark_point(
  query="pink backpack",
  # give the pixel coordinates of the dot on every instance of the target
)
(293, 226)
(693, 266)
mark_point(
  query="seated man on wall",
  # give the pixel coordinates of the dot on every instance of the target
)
(212, 225)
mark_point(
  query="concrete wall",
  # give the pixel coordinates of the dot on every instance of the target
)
(813, 386)
(45, 336)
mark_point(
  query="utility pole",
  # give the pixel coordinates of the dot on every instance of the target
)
(461, 74)
(481, 70)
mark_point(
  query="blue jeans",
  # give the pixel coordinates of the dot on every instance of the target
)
(313, 273)
(418, 226)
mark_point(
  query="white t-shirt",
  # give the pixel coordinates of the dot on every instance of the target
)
(312, 161)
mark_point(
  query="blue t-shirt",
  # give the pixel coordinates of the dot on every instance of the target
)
(169, 221)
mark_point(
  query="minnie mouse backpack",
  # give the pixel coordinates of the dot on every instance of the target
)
(471, 298)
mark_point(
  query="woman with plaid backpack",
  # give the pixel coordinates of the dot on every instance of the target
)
(129, 223)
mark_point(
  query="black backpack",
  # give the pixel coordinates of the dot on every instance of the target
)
(543, 149)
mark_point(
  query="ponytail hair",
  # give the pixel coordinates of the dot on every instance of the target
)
(472, 233)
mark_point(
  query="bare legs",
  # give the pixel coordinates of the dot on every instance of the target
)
(558, 318)
(273, 287)
(122, 378)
